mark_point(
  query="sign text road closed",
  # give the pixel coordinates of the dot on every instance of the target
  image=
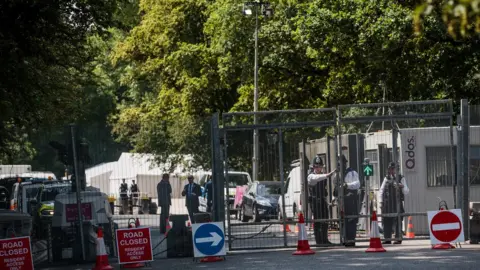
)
(134, 245)
(445, 226)
(15, 254)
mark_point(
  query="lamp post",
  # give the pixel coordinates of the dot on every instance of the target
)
(267, 12)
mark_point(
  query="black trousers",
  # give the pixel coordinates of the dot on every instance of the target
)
(320, 211)
(351, 208)
(390, 224)
(163, 218)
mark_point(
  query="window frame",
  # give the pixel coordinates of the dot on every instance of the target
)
(451, 176)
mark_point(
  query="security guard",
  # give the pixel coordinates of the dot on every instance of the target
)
(387, 196)
(123, 197)
(318, 199)
(350, 186)
(134, 192)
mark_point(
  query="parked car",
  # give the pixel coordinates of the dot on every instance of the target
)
(260, 201)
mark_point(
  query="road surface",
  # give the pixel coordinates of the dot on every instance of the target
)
(410, 255)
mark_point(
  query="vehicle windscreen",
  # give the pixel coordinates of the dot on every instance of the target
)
(49, 193)
(264, 190)
(31, 192)
(237, 180)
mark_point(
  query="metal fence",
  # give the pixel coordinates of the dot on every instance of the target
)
(260, 210)
(421, 133)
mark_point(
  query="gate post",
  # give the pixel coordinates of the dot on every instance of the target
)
(399, 223)
(465, 179)
(282, 180)
(218, 207)
(340, 177)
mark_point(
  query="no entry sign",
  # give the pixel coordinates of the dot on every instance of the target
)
(15, 254)
(445, 226)
(134, 245)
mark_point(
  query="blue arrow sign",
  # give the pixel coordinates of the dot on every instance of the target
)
(209, 239)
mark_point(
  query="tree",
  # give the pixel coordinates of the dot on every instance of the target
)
(188, 59)
(43, 46)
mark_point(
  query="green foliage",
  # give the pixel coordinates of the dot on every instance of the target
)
(462, 17)
(157, 70)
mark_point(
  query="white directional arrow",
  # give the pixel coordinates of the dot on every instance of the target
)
(215, 239)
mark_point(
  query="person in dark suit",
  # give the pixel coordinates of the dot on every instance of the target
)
(164, 191)
(209, 194)
(191, 191)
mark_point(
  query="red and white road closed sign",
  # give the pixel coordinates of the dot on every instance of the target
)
(134, 245)
(15, 254)
(445, 226)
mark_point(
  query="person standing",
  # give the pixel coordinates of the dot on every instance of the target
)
(191, 191)
(318, 199)
(123, 197)
(391, 188)
(164, 193)
(351, 185)
(209, 194)
(134, 193)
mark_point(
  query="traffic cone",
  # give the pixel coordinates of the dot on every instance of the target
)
(286, 228)
(102, 257)
(167, 228)
(303, 247)
(375, 243)
(410, 233)
(137, 223)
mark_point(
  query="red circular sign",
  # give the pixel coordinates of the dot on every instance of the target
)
(446, 226)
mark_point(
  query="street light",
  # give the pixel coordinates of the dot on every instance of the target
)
(267, 11)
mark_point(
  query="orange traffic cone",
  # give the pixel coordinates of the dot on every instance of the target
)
(410, 233)
(375, 243)
(286, 228)
(102, 257)
(303, 247)
(168, 227)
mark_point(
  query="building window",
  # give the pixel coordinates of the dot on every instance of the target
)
(439, 169)
(375, 180)
(475, 165)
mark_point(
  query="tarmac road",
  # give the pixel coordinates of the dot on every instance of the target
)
(410, 255)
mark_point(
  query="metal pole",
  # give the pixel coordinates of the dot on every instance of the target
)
(255, 102)
(282, 180)
(397, 180)
(340, 177)
(225, 157)
(79, 198)
(466, 165)
(458, 191)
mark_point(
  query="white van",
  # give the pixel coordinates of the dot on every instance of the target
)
(293, 192)
(235, 179)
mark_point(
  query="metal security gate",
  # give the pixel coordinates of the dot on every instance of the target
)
(263, 213)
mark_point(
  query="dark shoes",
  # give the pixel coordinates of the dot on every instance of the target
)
(389, 242)
(349, 244)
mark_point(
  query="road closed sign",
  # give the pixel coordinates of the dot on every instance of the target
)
(15, 254)
(445, 226)
(134, 245)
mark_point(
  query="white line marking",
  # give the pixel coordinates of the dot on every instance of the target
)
(446, 226)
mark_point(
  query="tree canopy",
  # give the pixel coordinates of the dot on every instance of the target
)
(157, 70)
